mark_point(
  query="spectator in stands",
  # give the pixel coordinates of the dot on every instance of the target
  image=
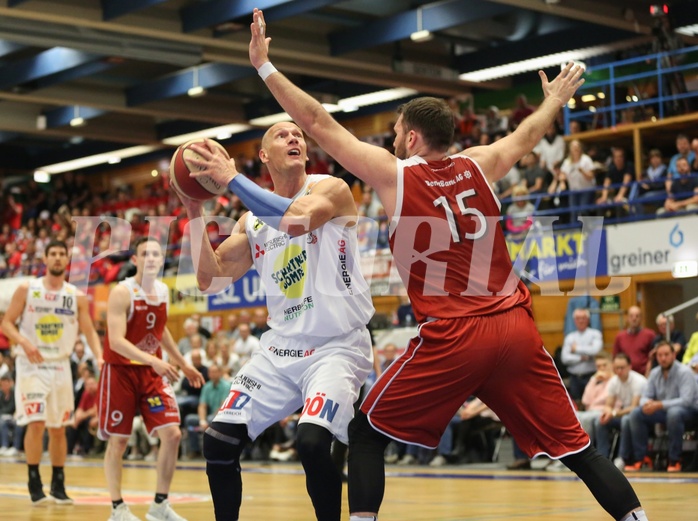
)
(14, 211)
(369, 203)
(246, 344)
(683, 194)
(683, 147)
(694, 149)
(494, 123)
(619, 171)
(228, 362)
(532, 174)
(203, 331)
(654, 185)
(388, 355)
(623, 396)
(635, 341)
(676, 338)
(259, 322)
(213, 393)
(8, 423)
(231, 333)
(475, 418)
(578, 169)
(79, 434)
(139, 431)
(188, 395)
(520, 212)
(191, 328)
(669, 398)
(691, 348)
(595, 393)
(78, 356)
(578, 352)
(505, 186)
(551, 149)
(404, 315)
(521, 112)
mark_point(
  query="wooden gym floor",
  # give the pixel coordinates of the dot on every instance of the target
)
(277, 492)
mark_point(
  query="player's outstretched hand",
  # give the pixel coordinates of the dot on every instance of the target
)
(564, 85)
(195, 378)
(164, 369)
(213, 163)
(259, 42)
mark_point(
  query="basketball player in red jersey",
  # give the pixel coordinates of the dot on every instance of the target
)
(476, 332)
(136, 378)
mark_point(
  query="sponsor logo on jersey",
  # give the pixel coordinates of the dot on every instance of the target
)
(291, 353)
(312, 238)
(258, 251)
(155, 404)
(296, 311)
(235, 401)
(448, 182)
(246, 382)
(320, 406)
(32, 408)
(36, 293)
(143, 307)
(289, 271)
(258, 223)
(49, 329)
(343, 271)
(149, 343)
(40, 309)
(32, 396)
(51, 297)
(62, 311)
(66, 416)
(276, 242)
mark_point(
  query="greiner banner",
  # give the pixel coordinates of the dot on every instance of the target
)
(651, 246)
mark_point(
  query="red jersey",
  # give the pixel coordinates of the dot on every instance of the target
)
(447, 241)
(145, 323)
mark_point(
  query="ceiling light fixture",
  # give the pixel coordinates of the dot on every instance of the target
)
(196, 90)
(98, 159)
(421, 34)
(77, 121)
(41, 176)
(543, 62)
(350, 104)
(211, 133)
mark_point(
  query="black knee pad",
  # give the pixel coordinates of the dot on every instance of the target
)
(224, 442)
(312, 441)
(361, 434)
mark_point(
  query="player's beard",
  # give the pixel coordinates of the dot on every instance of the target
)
(57, 272)
(400, 149)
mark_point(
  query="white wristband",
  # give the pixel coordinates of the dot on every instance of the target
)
(265, 70)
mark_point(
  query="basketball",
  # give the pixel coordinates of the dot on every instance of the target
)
(199, 188)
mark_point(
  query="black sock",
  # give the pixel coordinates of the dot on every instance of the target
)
(34, 473)
(58, 476)
(115, 504)
(159, 498)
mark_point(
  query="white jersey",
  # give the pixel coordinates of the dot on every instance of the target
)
(313, 282)
(50, 320)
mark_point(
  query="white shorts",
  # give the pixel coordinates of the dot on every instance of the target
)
(44, 392)
(321, 376)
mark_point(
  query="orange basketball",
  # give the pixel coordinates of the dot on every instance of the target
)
(199, 188)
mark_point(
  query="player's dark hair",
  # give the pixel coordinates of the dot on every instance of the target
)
(431, 117)
(55, 243)
(141, 240)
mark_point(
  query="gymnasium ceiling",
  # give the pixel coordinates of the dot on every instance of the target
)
(125, 66)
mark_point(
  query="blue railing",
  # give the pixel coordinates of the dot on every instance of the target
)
(661, 68)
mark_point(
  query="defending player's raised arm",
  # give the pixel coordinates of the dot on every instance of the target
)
(328, 199)
(118, 307)
(498, 158)
(370, 163)
(215, 270)
(87, 328)
(9, 324)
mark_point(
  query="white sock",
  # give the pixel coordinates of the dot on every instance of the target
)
(636, 515)
(363, 518)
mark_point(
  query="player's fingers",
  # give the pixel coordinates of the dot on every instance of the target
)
(543, 76)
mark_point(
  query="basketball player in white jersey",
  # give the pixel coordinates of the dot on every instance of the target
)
(51, 311)
(318, 352)
(136, 379)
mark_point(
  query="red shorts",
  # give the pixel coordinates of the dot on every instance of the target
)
(500, 359)
(126, 389)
